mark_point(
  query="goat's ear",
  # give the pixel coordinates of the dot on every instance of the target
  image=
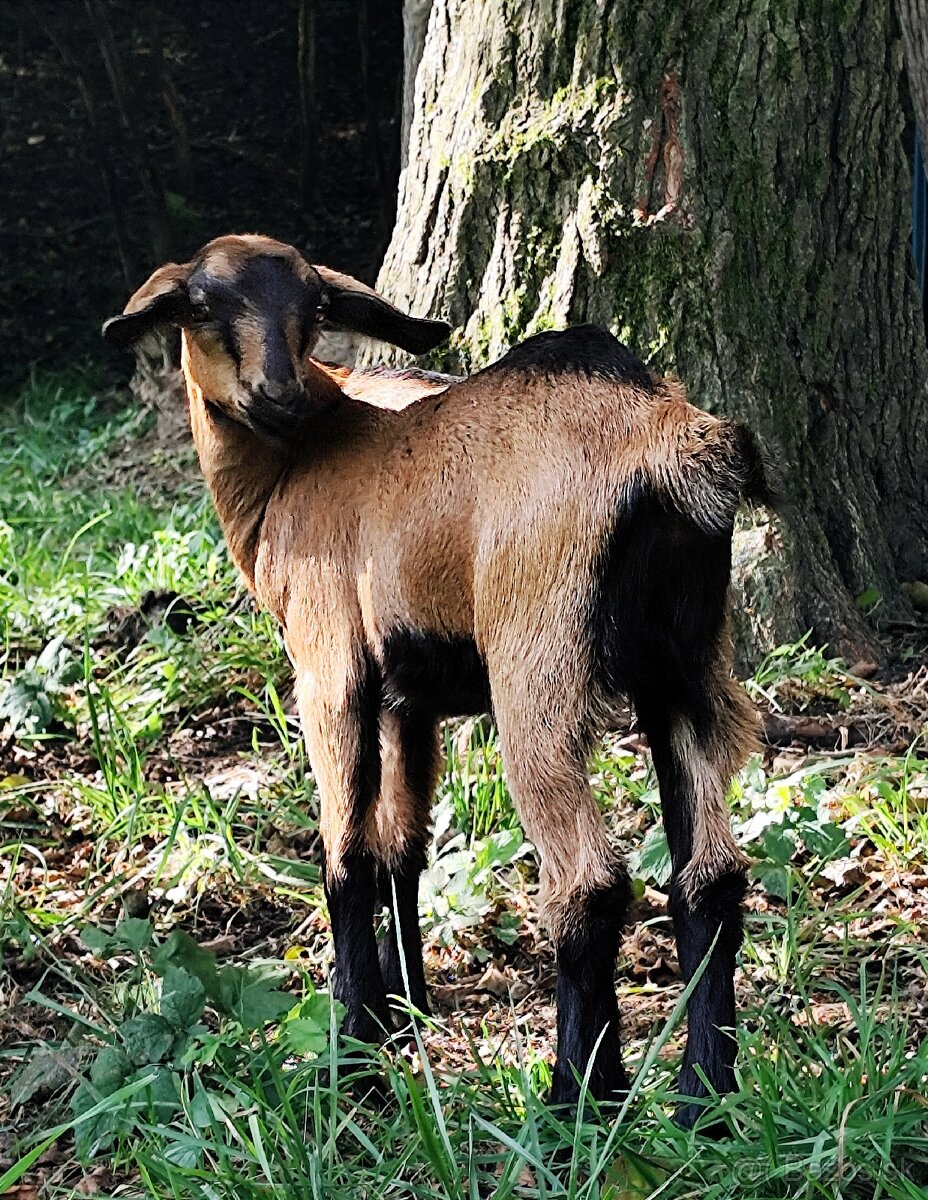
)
(161, 300)
(359, 308)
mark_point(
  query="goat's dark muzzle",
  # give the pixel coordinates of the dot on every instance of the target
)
(277, 410)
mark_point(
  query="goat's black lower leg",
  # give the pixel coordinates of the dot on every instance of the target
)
(399, 833)
(705, 905)
(358, 982)
(401, 948)
(712, 923)
(587, 1010)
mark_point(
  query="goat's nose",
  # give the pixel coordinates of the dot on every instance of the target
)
(279, 393)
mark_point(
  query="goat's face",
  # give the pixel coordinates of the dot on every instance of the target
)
(251, 310)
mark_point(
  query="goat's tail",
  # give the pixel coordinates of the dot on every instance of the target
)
(715, 470)
(754, 466)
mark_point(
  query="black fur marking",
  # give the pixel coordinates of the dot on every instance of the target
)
(170, 308)
(658, 612)
(230, 343)
(357, 980)
(352, 893)
(442, 675)
(406, 879)
(278, 365)
(656, 623)
(582, 349)
(269, 283)
(417, 735)
(377, 318)
(365, 708)
(420, 757)
(586, 1000)
(711, 1009)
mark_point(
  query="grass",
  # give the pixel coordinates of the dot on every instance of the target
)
(165, 1029)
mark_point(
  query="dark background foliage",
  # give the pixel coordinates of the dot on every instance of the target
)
(131, 132)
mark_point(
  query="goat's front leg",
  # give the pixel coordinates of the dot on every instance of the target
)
(584, 885)
(340, 716)
(695, 757)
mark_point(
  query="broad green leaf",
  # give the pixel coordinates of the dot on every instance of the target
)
(631, 1178)
(110, 1070)
(778, 844)
(825, 840)
(306, 1036)
(147, 1038)
(97, 941)
(250, 999)
(180, 950)
(135, 933)
(773, 878)
(499, 849)
(652, 860)
(183, 997)
(163, 1095)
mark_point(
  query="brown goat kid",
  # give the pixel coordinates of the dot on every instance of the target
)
(539, 540)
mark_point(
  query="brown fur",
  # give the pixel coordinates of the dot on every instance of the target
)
(486, 516)
(479, 508)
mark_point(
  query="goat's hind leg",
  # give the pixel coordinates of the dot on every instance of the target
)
(397, 833)
(695, 755)
(585, 888)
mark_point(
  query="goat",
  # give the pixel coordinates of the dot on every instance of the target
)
(538, 541)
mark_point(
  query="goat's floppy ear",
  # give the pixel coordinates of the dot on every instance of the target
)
(359, 308)
(161, 300)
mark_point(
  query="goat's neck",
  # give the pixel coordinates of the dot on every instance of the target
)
(241, 471)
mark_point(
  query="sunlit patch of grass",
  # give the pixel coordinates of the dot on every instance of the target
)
(799, 673)
(889, 805)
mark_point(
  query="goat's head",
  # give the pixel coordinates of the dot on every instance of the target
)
(251, 309)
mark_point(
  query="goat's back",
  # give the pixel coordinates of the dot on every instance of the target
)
(502, 491)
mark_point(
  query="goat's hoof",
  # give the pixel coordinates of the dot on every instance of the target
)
(605, 1087)
(403, 1020)
(687, 1115)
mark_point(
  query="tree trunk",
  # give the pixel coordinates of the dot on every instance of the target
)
(415, 24)
(309, 129)
(913, 18)
(159, 225)
(726, 188)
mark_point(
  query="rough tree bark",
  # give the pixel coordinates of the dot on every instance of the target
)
(726, 187)
(913, 18)
(415, 24)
